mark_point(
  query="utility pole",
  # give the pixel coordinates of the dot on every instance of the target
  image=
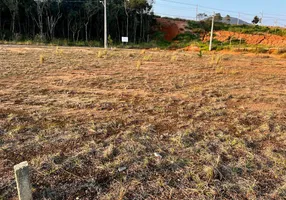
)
(261, 18)
(105, 25)
(212, 31)
(197, 12)
(276, 25)
(238, 19)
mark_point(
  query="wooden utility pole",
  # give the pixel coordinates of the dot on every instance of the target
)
(212, 32)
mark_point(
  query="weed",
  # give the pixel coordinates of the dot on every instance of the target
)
(209, 172)
(109, 152)
(138, 64)
(102, 54)
(283, 55)
(142, 52)
(42, 59)
(216, 60)
(147, 57)
(174, 58)
(200, 54)
(59, 51)
(219, 70)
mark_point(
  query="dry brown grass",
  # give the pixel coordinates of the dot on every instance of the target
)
(92, 123)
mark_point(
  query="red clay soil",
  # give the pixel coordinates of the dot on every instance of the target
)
(266, 39)
(171, 28)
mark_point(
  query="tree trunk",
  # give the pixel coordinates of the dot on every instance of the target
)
(127, 26)
(135, 27)
(13, 15)
(73, 36)
(1, 19)
(69, 23)
(77, 37)
(141, 25)
(118, 26)
(86, 36)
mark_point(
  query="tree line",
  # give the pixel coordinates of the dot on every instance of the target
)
(75, 20)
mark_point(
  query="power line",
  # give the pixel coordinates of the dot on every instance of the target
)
(177, 16)
(217, 9)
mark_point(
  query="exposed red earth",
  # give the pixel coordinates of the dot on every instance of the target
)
(172, 28)
(263, 39)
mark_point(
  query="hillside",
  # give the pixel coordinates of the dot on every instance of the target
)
(171, 27)
(255, 39)
(233, 21)
(249, 34)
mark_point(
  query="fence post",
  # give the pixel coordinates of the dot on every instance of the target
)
(23, 182)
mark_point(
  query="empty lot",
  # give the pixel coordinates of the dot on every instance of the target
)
(143, 124)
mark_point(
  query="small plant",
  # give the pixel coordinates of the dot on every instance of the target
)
(174, 58)
(209, 172)
(138, 64)
(143, 52)
(147, 57)
(216, 60)
(59, 51)
(42, 59)
(110, 41)
(109, 152)
(200, 54)
(219, 70)
(283, 55)
(101, 54)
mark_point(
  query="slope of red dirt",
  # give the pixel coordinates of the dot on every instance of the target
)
(171, 28)
(265, 39)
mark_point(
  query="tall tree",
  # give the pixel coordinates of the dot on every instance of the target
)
(218, 17)
(53, 12)
(90, 9)
(77, 19)
(228, 19)
(40, 5)
(255, 20)
(13, 8)
(201, 16)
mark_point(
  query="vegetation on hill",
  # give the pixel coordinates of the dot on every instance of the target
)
(198, 32)
(204, 26)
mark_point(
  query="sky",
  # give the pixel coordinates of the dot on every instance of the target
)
(274, 11)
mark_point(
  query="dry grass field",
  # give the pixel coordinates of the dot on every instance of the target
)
(143, 124)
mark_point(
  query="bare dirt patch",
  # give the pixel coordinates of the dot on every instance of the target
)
(142, 124)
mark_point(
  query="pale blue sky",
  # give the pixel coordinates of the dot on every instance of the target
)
(272, 9)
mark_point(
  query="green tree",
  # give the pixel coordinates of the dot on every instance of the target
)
(228, 19)
(13, 6)
(255, 20)
(201, 16)
(218, 17)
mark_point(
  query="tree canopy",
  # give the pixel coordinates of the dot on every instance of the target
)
(255, 20)
(75, 20)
